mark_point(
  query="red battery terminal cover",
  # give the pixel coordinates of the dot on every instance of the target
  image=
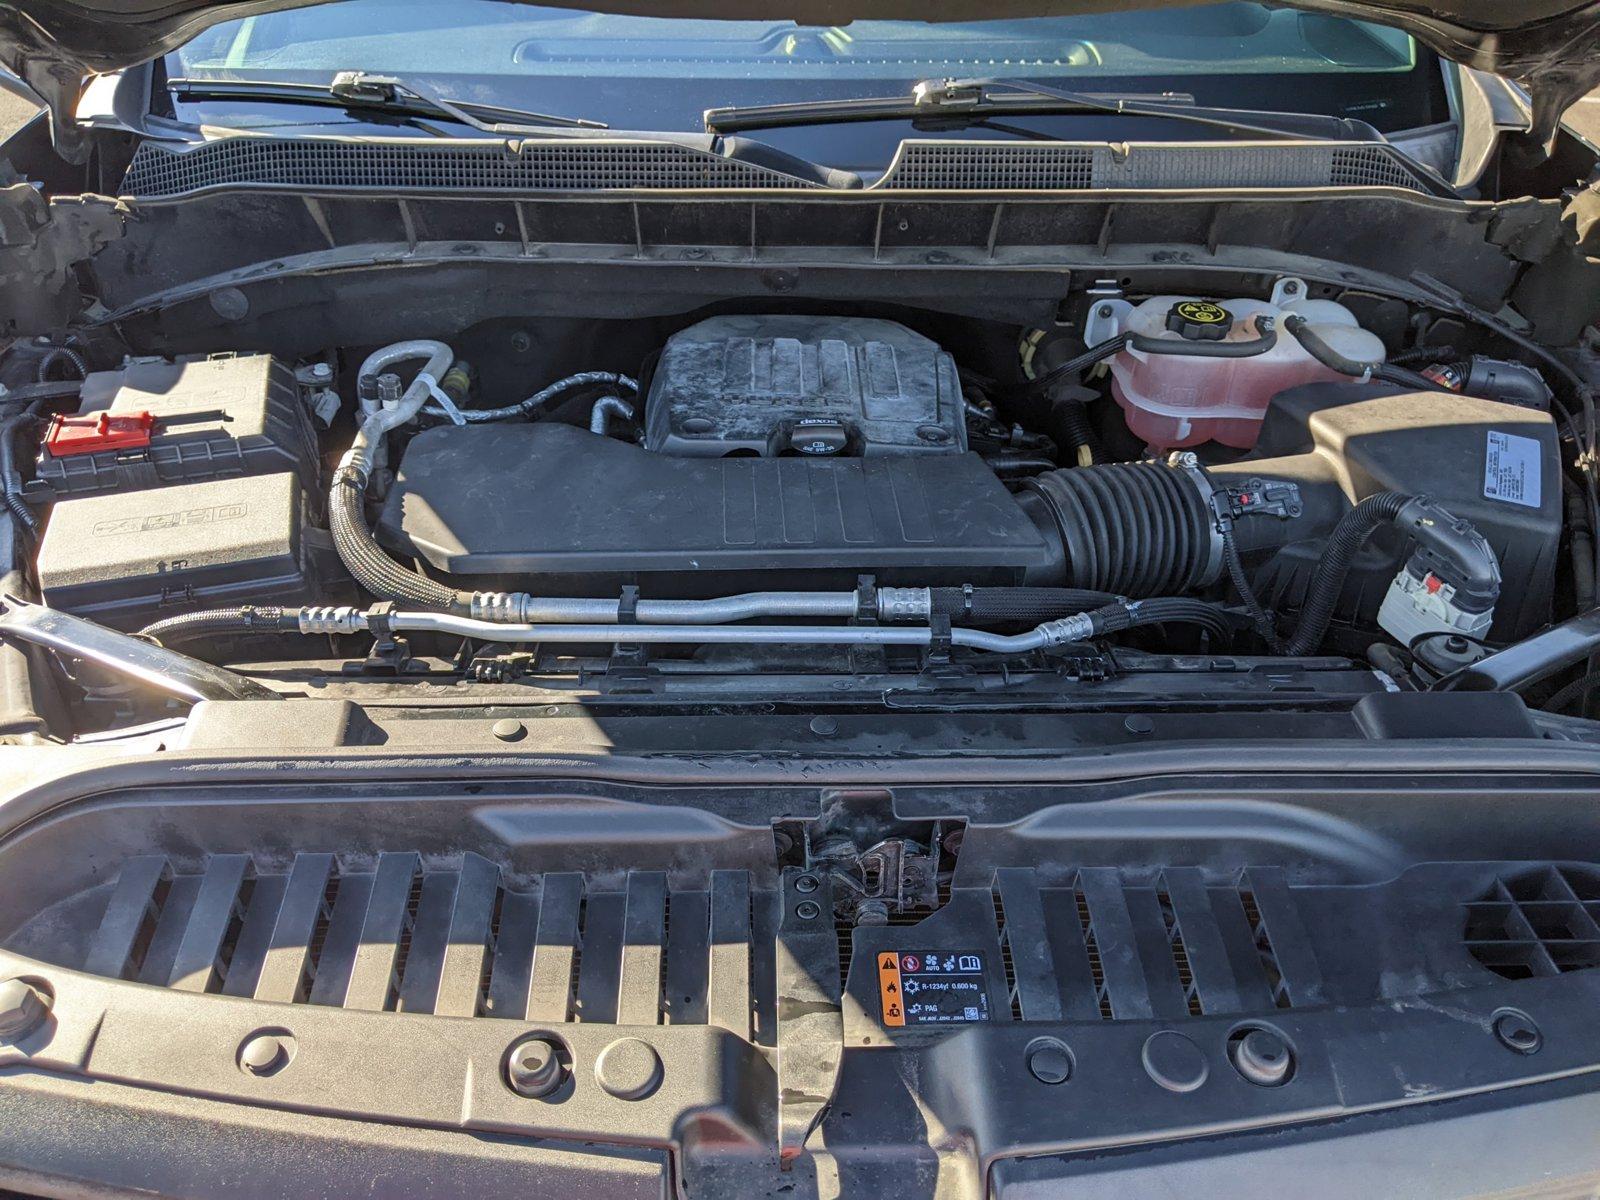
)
(90, 433)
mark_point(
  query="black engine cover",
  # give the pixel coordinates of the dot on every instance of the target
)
(554, 508)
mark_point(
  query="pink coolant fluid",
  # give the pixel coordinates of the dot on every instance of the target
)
(1184, 399)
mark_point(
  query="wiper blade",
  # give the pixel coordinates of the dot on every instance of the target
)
(964, 103)
(357, 90)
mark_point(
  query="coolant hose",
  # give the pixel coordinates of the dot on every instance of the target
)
(1347, 537)
(246, 619)
(1184, 347)
(365, 560)
(1334, 361)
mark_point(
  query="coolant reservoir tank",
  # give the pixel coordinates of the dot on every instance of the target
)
(1193, 395)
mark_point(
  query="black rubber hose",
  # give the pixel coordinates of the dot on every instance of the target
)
(1334, 361)
(1131, 529)
(1009, 464)
(1347, 537)
(10, 478)
(1161, 610)
(62, 354)
(366, 561)
(1579, 687)
(1013, 605)
(1193, 349)
(1072, 419)
(216, 621)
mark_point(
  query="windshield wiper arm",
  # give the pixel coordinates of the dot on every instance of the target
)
(357, 90)
(963, 103)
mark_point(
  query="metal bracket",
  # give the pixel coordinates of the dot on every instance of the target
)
(1288, 293)
(1104, 320)
(160, 668)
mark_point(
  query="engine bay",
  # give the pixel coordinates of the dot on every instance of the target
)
(1297, 474)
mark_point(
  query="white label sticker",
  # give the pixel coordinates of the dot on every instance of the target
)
(1511, 469)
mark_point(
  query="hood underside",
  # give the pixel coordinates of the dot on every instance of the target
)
(1552, 47)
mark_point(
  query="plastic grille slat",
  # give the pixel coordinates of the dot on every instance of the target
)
(1075, 981)
(555, 947)
(255, 936)
(287, 961)
(1153, 944)
(686, 991)
(644, 934)
(461, 977)
(130, 918)
(728, 953)
(195, 967)
(387, 920)
(1114, 934)
(1024, 934)
(1286, 932)
(430, 937)
(511, 973)
(1214, 980)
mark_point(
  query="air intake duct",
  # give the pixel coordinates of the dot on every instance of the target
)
(1132, 529)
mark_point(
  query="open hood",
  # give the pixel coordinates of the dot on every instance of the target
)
(1551, 47)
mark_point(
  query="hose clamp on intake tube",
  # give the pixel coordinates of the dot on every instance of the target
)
(1187, 462)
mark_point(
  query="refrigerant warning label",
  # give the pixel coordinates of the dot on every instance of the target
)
(931, 989)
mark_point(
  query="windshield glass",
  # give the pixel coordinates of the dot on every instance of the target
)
(662, 74)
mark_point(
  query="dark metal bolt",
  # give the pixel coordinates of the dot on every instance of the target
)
(1049, 1061)
(1517, 1032)
(23, 1008)
(521, 342)
(1106, 310)
(807, 910)
(1262, 1057)
(872, 912)
(806, 884)
(264, 1054)
(534, 1068)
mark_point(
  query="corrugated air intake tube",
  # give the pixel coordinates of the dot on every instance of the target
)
(1131, 529)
